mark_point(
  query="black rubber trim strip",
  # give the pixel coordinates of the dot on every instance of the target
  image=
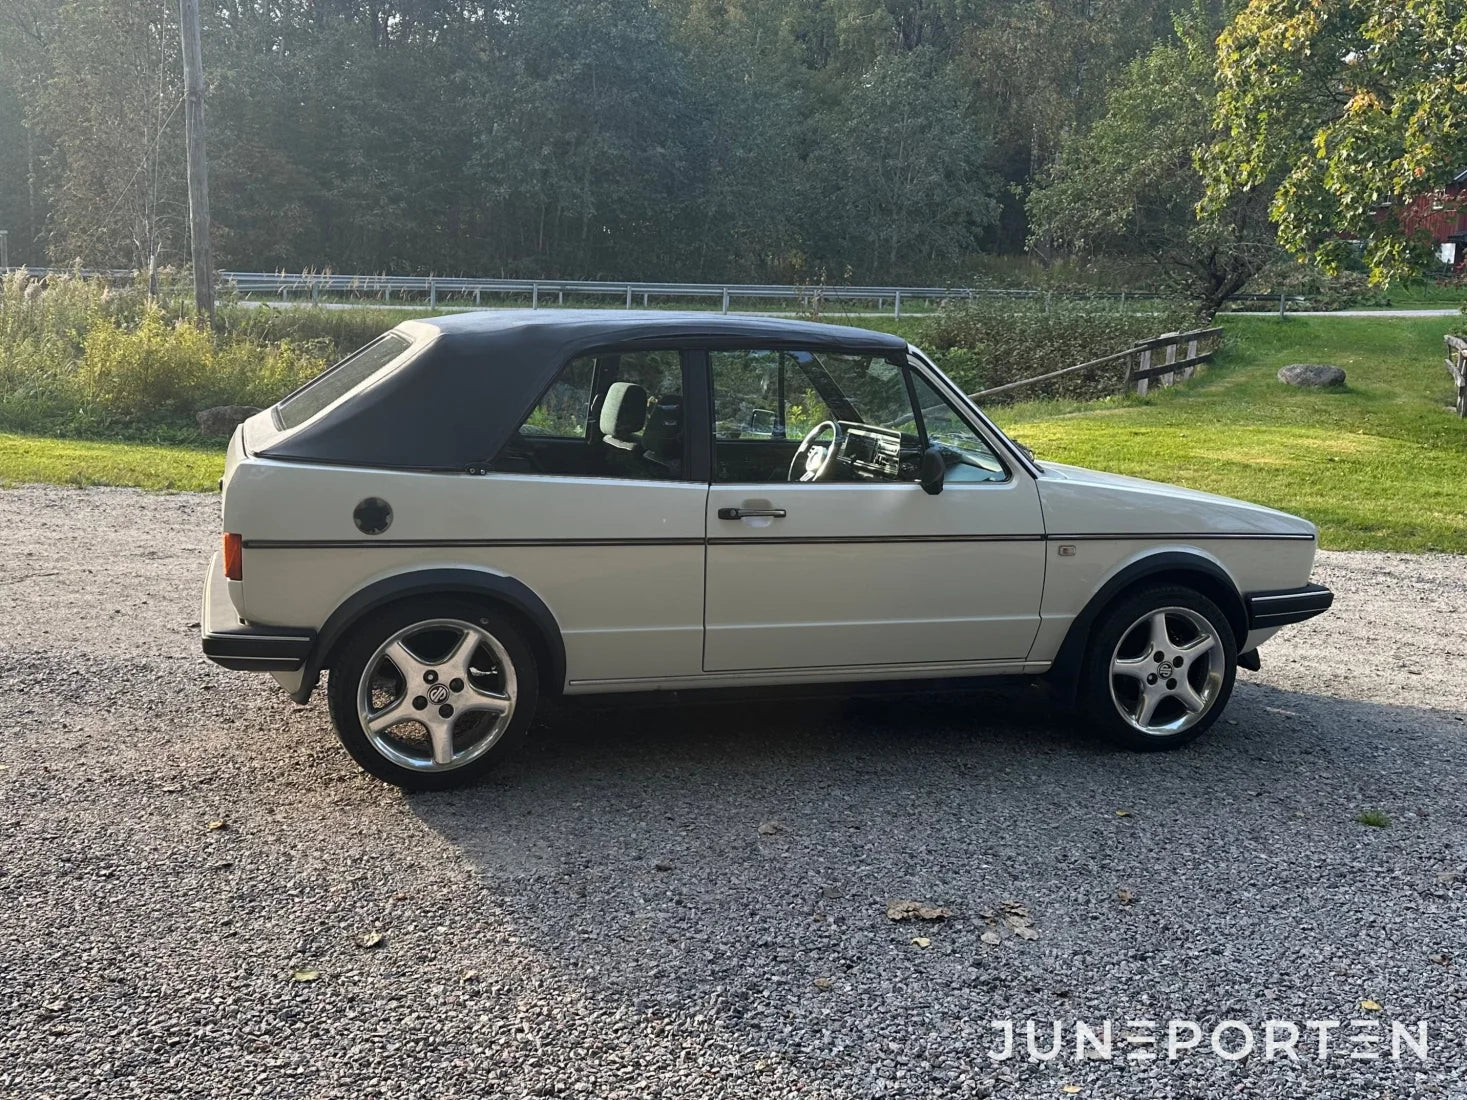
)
(1195, 536)
(1290, 605)
(350, 544)
(844, 539)
(370, 543)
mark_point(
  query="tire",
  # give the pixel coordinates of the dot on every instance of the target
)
(472, 660)
(1148, 696)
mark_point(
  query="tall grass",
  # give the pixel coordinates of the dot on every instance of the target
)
(81, 358)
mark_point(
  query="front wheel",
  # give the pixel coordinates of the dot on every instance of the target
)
(1160, 668)
(432, 694)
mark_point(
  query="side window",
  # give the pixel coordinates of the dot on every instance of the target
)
(561, 413)
(766, 402)
(968, 457)
(617, 415)
(763, 395)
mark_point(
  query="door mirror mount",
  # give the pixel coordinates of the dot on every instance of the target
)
(931, 471)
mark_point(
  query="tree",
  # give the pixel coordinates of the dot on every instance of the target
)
(1131, 185)
(1357, 107)
(112, 105)
(899, 186)
(27, 28)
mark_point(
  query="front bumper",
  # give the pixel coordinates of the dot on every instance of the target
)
(233, 643)
(1290, 605)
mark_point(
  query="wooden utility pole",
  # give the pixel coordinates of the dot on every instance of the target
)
(198, 166)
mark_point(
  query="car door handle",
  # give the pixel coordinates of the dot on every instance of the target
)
(746, 513)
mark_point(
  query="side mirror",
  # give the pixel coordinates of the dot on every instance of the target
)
(930, 473)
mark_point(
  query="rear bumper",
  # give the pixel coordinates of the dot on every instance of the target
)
(230, 642)
(1290, 605)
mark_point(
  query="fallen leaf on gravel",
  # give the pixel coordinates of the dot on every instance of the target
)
(1370, 1006)
(993, 939)
(1026, 933)
(305, 975)
(1017, 923)
(906, 909)
(922, 942)
(824, 983)
(369, 940)
(1072, 1089)
(1014, 908)
(1125, 896)
(1441, 960)
(1120, 813)
(217, 824)
(769, 828)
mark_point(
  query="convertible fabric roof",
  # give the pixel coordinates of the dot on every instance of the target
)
(453, 405)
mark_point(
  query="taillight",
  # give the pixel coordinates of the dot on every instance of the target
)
(233, 558)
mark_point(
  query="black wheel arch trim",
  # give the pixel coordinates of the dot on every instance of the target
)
(1176, 564)
(442, 581)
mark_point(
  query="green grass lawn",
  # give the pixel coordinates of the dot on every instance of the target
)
(1381, 464)
(25, 459)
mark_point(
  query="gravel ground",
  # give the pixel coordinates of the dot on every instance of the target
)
(692, 901)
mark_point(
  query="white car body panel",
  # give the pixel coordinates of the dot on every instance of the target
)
(619, 564)
(819, 587)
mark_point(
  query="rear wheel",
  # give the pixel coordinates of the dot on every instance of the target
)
(433, 694)
(1160, 668)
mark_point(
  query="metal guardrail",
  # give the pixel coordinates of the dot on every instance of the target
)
(314, 285)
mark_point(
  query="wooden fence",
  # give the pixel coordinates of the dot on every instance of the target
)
(1163, 358)
(1457, 364)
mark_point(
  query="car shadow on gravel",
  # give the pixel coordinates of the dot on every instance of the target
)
(738, 860)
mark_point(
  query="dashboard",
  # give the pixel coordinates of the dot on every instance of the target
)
(877, 454)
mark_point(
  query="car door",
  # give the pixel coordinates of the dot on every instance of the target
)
(865, 568)
(600, 514)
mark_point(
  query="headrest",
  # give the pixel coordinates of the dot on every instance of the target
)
(664, 435)
(624, 411)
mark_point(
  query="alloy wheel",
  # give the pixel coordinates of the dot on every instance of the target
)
(437, 695)
(1167, 671)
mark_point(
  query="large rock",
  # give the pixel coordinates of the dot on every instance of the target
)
(223, 419)
(1312, 374)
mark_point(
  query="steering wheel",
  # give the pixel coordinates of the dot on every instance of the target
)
(817, 462)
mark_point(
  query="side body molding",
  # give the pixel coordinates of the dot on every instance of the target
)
(444, 581)
(1180, 566)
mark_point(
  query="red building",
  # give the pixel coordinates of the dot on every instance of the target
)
(1443, 214)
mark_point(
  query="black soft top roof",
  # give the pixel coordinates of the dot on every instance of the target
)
(453, 403)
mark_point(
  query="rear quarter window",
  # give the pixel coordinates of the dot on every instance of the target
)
(334, 382)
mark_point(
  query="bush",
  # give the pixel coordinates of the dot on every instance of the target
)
(992, 342)
(79, 358)
(1319, 291)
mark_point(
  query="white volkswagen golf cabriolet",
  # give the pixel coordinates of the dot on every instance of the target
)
(476, 511)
